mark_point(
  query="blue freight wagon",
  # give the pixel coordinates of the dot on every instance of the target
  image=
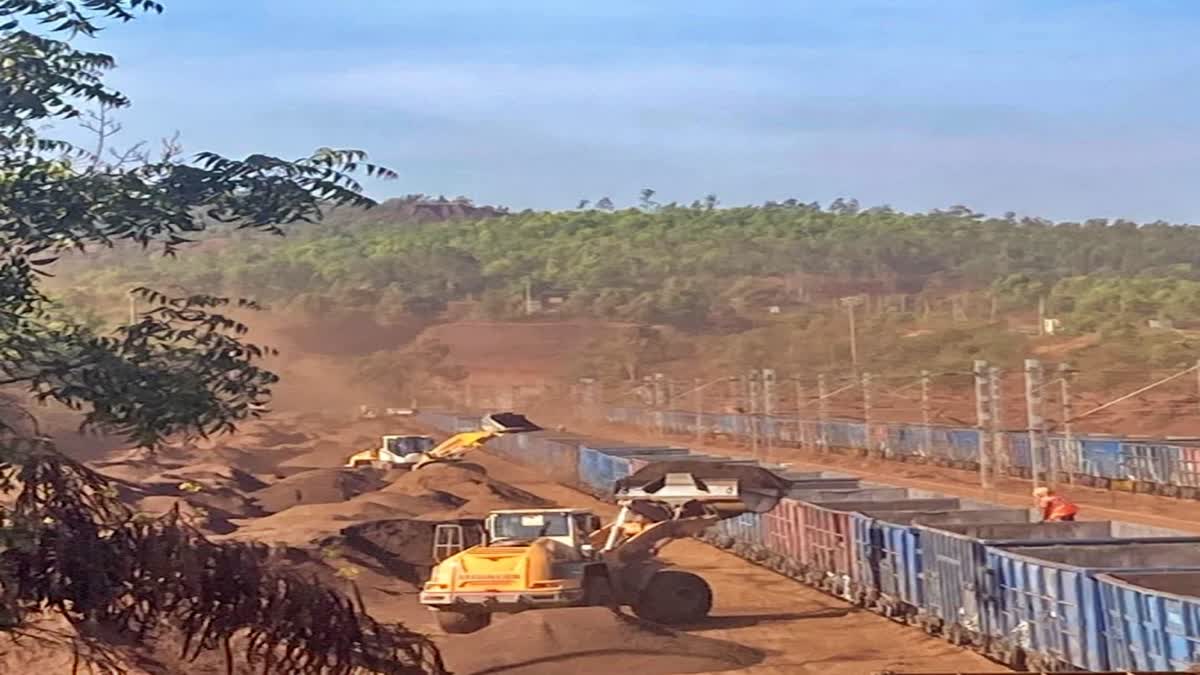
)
(1153, 465)
(890, 573)
(955, 577)
(1152, 620)
(745, 535)
(836, 494)
(599, 468)
(1036, 602)
(554, 454)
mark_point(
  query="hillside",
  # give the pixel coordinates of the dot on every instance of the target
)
(430, 306)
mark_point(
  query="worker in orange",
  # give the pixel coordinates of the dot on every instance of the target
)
(1054, 508)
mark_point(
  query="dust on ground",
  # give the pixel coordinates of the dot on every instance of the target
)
(374, 530)
(589, 640)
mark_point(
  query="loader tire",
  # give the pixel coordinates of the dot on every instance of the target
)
(674, 597)
(458, 623)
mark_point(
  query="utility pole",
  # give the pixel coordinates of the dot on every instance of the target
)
(822, 413)
(1064, 395)
(801, 436)
(1033, 415)
(660, 400)
(1041, 315)
(1198, 382)
(866, 400)
(587, 397)
(754, 383)
(999, 462)
(983, 413)
(850, 303)
(927, 430)
(768, 408)
(744, 404)
(698, 392)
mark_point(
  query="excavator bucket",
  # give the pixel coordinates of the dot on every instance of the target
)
(757, 489)
(509, 423)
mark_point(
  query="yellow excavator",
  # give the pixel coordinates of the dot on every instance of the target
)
(564, 557)
(414, 452)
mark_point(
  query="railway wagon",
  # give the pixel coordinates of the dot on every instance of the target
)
(777, 534)
(1041, 603)
(959, 590)
(826, 537)
(889, 570)
(1152, 620)
(600, 467)
(554, 453)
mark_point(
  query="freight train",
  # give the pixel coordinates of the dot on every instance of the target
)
(1075, 596)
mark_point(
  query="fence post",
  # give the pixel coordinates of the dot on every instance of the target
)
(822, 413)
(660, 401)
(999, 456)
(865, 382)
(645, 393)
(983, 414)
(742, 428)
(753, 411)
(927, 430)
(1033, 417)
(801, 435)
(768, 409)
(1064, 389)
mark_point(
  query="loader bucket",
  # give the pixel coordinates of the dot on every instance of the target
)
(509, 423)
(759, 489)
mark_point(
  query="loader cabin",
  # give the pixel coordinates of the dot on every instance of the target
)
(570, 527)
(392, 450)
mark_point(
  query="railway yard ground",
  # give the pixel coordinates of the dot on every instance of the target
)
(278, 481)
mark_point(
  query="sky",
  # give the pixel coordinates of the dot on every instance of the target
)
(1065, 109)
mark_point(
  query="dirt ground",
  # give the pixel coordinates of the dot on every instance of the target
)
(800, 629)
(247, 489)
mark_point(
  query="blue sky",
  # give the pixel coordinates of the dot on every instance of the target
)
(1064, 109)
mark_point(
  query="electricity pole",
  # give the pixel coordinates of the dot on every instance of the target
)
(983, 423)
(754, 389)
(1033, 415)
(927, 431)
(850, 303)
(1064, 382)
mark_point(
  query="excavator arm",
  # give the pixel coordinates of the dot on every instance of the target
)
(464, 442)
(456, 446)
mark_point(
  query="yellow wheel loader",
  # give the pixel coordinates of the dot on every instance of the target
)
(414, 452)
(544, 558)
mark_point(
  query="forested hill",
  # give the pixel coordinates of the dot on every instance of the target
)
(691, 267)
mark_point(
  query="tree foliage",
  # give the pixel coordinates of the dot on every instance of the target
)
(183, 367)
(683, 265)
(67, 544)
